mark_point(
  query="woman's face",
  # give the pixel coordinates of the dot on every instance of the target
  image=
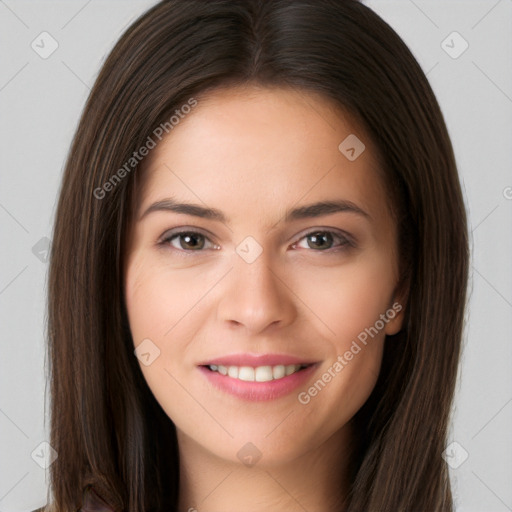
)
(251, 287)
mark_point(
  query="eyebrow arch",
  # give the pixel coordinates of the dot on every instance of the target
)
(303, 212)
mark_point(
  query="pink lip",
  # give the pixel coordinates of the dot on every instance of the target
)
(258, 391)
(256, 360)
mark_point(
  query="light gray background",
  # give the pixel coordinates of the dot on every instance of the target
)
(41, 100)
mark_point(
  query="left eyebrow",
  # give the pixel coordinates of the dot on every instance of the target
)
(324, 208)
(302, 212)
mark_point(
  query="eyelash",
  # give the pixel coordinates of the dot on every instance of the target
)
(346, 242)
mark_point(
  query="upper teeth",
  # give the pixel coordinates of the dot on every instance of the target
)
(258, 374)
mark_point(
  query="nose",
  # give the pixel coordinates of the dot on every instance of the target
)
(255, 297)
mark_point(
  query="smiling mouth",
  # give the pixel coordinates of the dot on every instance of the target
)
(257, 374)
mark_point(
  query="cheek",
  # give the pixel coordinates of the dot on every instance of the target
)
(349, 298)
(158, 299)
(145, 306)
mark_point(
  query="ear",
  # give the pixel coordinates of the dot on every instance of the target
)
(396, 310)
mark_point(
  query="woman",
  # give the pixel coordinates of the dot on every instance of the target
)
(208, 351)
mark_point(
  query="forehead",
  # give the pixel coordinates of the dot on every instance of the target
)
(258, 150)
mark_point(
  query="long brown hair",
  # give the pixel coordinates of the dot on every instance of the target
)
(106, 426)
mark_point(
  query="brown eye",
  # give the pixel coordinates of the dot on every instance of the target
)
(193, 241)
(189, 241)
(320, 240)
(324, 240)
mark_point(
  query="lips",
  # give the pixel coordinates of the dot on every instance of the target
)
(258, 376)
(254, 383)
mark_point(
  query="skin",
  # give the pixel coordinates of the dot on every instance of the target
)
(253, 153)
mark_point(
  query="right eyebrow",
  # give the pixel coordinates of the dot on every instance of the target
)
(195, 210)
